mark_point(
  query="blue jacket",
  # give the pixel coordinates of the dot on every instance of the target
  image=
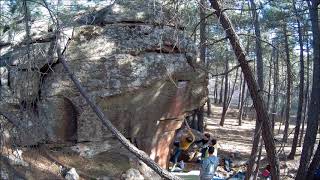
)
(208, 167)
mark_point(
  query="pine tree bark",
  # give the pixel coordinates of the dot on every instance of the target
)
(314, 104)
(203, 47)
(253, 88)
(275, 90)
(242, 102)
(306, 94)
(221, 91)
(225, 97)
(288, 100)
(269, 81)
(301, 86)
(258, 51)
(216, 90)
(240, 90)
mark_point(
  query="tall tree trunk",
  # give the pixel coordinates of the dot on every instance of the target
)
(225, 98)
(240, 90)
(258, 52)
(221, 91)
(275, 90)
(313, 110)
(301, 86)
(288, 102)
(216, 90)
(253, 88)
(306, 94)
(242, 102)
(269, 80)
(203, 47)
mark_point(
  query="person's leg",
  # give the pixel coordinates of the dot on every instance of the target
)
(175, 158)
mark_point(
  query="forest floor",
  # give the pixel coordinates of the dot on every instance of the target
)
(236, 141)
(233, 140)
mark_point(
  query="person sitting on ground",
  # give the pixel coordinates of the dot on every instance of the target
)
(209, 165)
(184, 143)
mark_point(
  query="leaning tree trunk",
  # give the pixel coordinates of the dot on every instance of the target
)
(253, 88)
(288, 101)
(301, 86)
(313, 110)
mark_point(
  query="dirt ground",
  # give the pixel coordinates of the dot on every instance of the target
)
(233, 140)
(236, 141)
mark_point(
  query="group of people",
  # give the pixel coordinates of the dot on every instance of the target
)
(207, 147)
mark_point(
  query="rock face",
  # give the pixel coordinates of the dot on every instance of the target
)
(132, 65)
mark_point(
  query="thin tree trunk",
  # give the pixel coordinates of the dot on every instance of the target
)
(254, 150)
(203, 55)
(253, 88)
(258, 52)
(313, 110)
(240, 90)
(242, 102)
(230, 95)
(225, 98)
(221, 90)
(288, 102)
(216, 90)
(306, 94)
(301, 86)
(269, 82)
(255, 174)
(275, 90)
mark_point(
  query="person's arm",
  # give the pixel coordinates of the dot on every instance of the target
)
(192, 135)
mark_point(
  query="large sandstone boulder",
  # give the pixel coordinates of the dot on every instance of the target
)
(132, 62)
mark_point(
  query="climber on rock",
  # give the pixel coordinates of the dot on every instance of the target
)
(203, 144)
(182, 145)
